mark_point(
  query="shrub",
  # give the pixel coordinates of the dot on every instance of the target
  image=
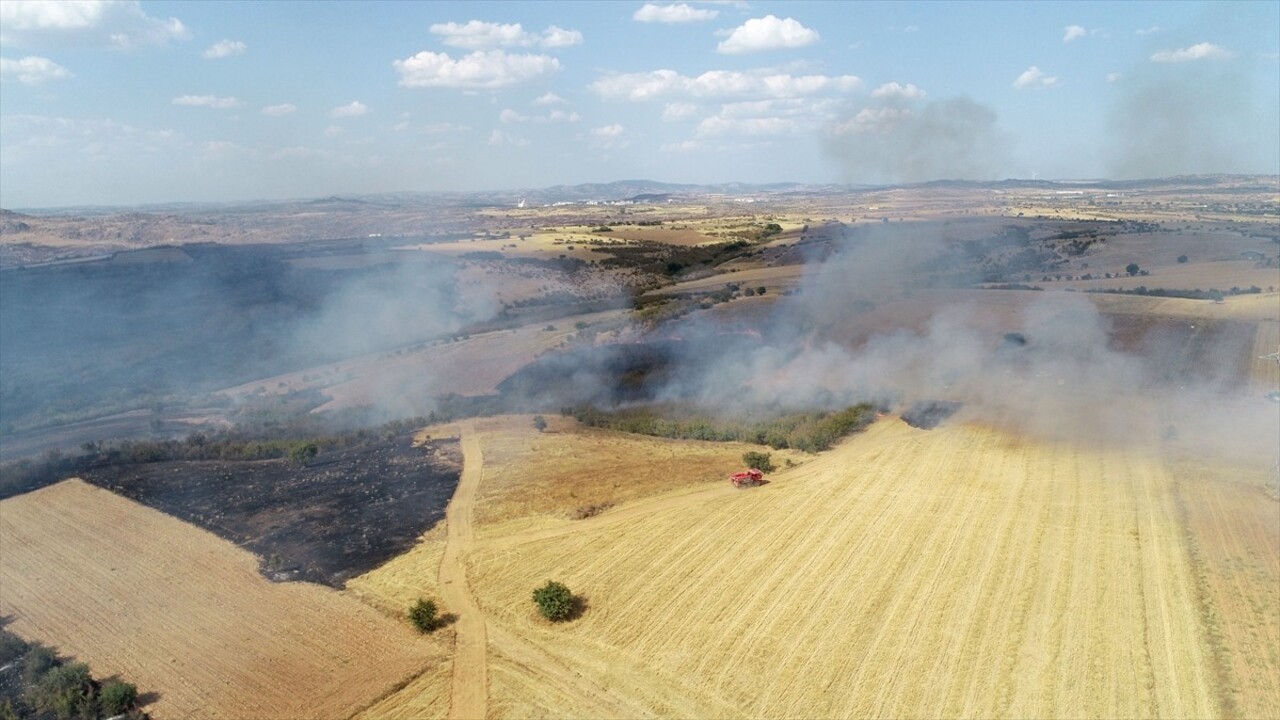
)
(117, 697)
(539, 423)
(39, 661)
(1131, 268)
(761, 461)
(423, 615)
(1182, 258)
(554, 601)
(303, 453)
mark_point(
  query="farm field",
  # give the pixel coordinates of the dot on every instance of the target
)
(111, 582)
(959, 571)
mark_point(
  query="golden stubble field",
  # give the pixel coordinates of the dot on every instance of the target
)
(184, 614)
(954, 572)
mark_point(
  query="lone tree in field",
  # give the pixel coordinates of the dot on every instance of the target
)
(423, 615)
(539, 423)
(554, 601)
(761, 461)
(1131, 268)
(1182, 258)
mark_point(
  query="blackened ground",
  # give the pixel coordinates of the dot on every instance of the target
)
(346, 512)
(929, 414)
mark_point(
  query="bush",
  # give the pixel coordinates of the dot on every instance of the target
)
(423, 615)
(38, 662)
(1182, 258)
(303, 453)
(117, 697)
(539, 423)
(761, 461)
(554, 601)
(1131, 268)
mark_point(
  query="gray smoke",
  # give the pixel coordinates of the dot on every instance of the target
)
(900, 141)
(1188, 118)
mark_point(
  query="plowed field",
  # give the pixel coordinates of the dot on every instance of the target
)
(186, 615)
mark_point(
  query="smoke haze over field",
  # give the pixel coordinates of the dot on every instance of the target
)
(1045, 363)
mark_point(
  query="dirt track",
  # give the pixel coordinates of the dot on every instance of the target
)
(470, 687)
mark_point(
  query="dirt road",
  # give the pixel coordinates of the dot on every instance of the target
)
(470, 673)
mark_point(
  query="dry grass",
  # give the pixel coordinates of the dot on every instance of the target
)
(535, 479)
(955, 572)
(1233, 529)
(185, 614)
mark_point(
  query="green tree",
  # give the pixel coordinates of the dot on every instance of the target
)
(1182, 258)
(539, 423)
(423, 615)
(555, 602)
(1131, 268)
(117, 697)
(761, 461)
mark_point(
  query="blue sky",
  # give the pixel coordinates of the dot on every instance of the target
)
(126, 102)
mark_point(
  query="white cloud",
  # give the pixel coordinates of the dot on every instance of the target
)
(1073, 32)
(479, 70)
(874, 119)
(893, 89)
(715, 84)
(332, 131)
(767, 33)
(498, 137)
(1147, 31)
(32, 70)
(224, 48)
(911, 28)
(787, 116)
(278, 110)
(480, 35)
(443, 127)
(679, 111)
(355, 108)
(1199, 51)
(548, 99)
(679, 13)
(559, 116)
(555, 116)
(209, 101)
(1033, 77)
(1113, 76)
(609, 137)
(719, 125)
(120, 23)
(554, 37)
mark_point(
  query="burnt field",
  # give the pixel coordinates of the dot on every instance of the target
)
(344, 513)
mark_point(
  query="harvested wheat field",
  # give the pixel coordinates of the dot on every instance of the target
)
(546, 479)
(186, 615)
(907, 573)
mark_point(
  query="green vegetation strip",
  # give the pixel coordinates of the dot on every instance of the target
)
(804, 431)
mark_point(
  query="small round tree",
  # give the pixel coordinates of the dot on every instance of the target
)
(761, 461)
(554, 601)
(423, 615)
(117, 697)
(1131, 268)
(539, 423)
